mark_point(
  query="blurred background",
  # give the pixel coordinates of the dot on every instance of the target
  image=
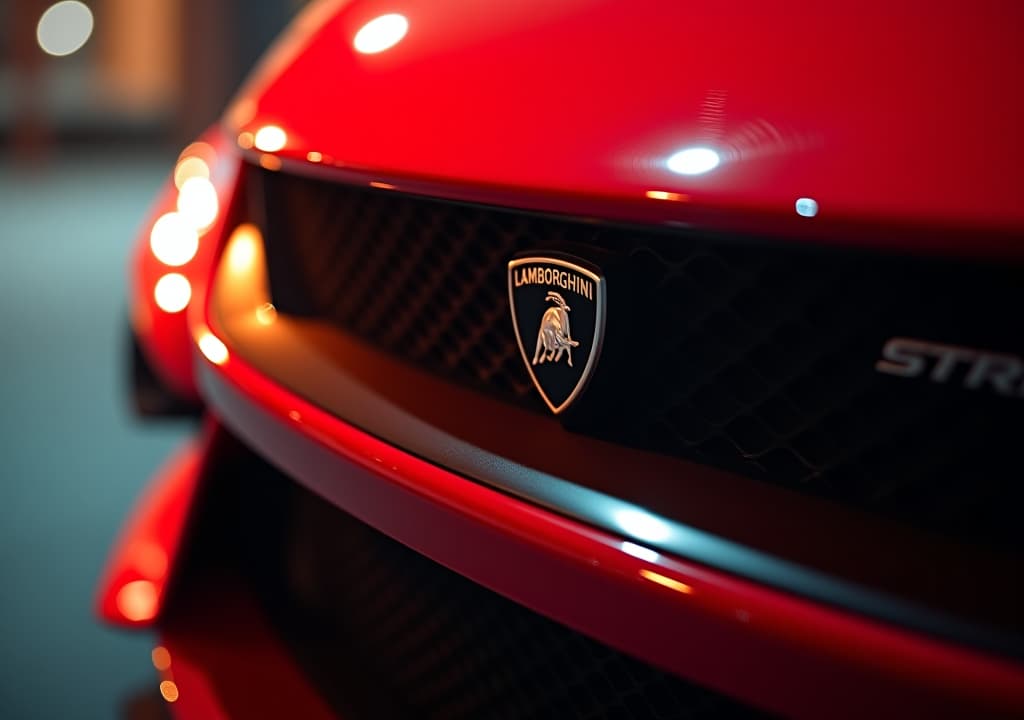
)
(96, 100)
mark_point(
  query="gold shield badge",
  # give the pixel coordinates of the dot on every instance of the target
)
(558, 314)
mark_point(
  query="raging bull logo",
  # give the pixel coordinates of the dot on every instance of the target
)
(559, 355)
(554, 336)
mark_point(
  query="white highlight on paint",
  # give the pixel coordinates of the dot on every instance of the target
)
(381, 33)
(641, 525)
(806, 207)
(212, 348)
(639, 551)
(694, 161)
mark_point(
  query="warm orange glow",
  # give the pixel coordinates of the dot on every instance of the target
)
(212, 348)
(382, 185)
(314, 156)
(169, 690)
(665, 195)
(242, 247)
(266, 314)
(190, 167)
(381, 33)
(242, 112)
(173, 240)
(137, 600)
(270, 138)
(666, 581)
(270, 162)
(203, 151)
(246, 140)
(197, 202)
(295, 415)
(161, 658)
(172, 292)
(150, 560)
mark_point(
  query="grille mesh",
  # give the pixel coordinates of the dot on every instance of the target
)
(432, 644)
(756, 357)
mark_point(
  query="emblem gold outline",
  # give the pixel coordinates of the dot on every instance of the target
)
(595, 347)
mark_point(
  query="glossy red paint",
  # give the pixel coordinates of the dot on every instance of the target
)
(900, 119)
(769, 648)
(134, 583)
(226, 662)
(163, 336)
(575, 107)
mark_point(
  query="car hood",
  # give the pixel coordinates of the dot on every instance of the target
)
(890, 116)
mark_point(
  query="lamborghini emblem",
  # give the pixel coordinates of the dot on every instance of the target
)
(560, 353)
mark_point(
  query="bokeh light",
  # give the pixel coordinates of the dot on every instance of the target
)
(197, 202)
(173, 240)
(169, 691)
(161, 658)
(137, 601)
(188, 168)
(270, 138)
(242, 248)
(172, 292)
(64, 28)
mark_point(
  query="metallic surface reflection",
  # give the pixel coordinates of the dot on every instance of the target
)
(666, 581)
(380, 34)
(694, 161)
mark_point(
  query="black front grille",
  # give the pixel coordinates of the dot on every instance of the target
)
(384, 632)
(751, 355)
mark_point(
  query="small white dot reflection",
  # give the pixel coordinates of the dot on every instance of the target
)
(806, 207)
(639, 551)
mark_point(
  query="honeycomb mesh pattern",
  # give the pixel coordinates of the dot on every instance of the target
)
(753, 356)
(439, 646)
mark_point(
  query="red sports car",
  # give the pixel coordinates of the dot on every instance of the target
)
(593, 358)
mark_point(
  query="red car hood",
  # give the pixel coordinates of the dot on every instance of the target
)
(902, 114)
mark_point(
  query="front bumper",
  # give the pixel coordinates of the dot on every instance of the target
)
(769, 648)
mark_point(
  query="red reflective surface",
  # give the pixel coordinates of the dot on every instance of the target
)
(135, 580)
(769, 648)
(891, 116)
(900, 121)
(163, 336)
(224, 661)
